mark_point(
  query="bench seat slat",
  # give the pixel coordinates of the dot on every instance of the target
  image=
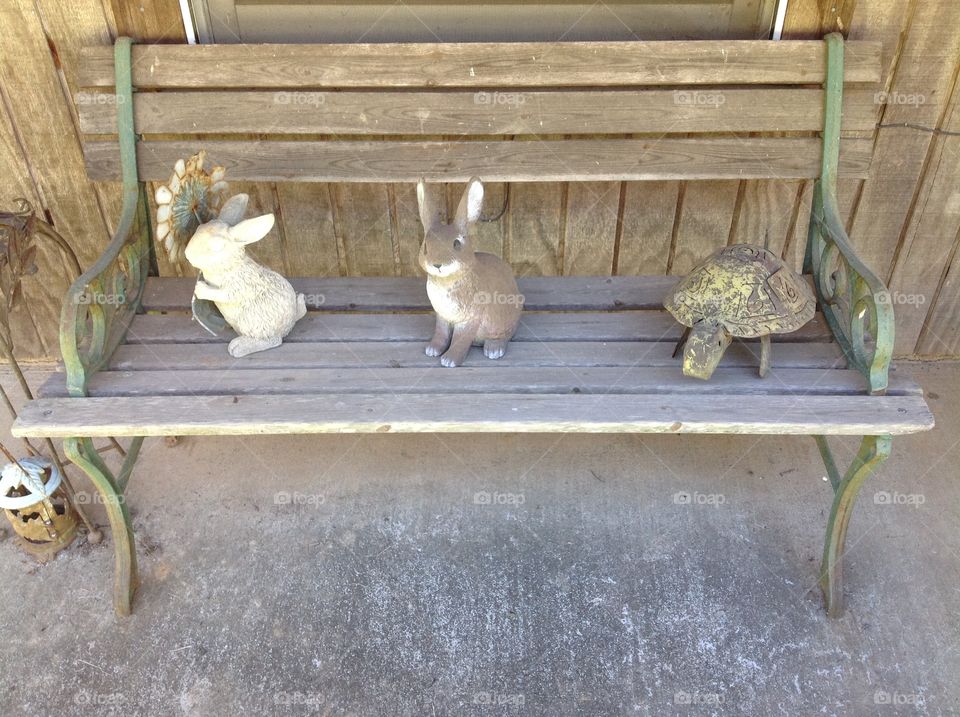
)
(402, 354)
(494, 161)
(485, 113)
(496, 413)
(480, 64)
(473, 380)
(569, 293)
(325, 327)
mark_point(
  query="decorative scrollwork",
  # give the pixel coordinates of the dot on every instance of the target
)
(855, 302)
(101, 304)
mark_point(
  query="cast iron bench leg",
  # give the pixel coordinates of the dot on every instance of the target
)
(874, 450)
(83, 454)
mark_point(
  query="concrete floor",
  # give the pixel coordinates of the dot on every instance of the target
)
(486, 575)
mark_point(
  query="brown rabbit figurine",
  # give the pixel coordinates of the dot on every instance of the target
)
(473, 293)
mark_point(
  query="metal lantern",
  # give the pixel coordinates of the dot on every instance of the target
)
(36, 506)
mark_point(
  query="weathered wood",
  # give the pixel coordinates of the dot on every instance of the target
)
(919, 93)
(766, 213)
(796, 241)
(534, 242)
(69, 28)
(307, 219)
(403, 354)
(940, 337)
(581, 293)
(649, 210)
(513, 413)
(366, 237)
(929, 245)
(148, 22)
(472, 380)
(590, 228)
(18, 184)
(521, 161)
(481, 65)
(467, 113)
(321, 326)
(50, 148)
(704, 223)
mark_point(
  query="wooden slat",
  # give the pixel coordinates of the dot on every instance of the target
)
(583, 293)
(325, 327)
(499, 413)
(401, 354)
(481, 64)
(473, 113)
(629, 380)
(520, 161)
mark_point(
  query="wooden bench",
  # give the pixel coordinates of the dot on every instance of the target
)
(593, 354)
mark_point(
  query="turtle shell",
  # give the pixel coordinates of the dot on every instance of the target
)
(748, 290)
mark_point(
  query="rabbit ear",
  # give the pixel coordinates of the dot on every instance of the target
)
(429, 216)
(251, 230)
(468, 210)
(234, 209)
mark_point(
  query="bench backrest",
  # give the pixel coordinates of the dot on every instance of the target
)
(502, 111)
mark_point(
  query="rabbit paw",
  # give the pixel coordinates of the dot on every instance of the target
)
(494, 349)
(448, 360)
(434, 349)
(245, 345)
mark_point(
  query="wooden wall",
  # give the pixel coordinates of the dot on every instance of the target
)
(904, 219)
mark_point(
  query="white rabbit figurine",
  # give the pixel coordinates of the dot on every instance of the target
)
(258, 303)
(474, 294)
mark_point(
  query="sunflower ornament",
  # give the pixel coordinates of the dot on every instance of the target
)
(190, 198)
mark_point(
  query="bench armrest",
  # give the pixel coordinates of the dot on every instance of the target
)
(854, 300)
(100, 305)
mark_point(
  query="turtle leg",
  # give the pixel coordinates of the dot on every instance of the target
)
(764, 355)
(682, 341)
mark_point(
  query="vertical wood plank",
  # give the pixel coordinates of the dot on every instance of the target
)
(918, 95)
(767, 214)
(647, 227)
(940, 336)
(796, 243)
(705, 222)
(409, 231)
(269, 251)
(534, 230)
(919, 281)
(17, 183)
(590, 228)
(37, 103)
(364, 213)
(307, 220)
(156, 21)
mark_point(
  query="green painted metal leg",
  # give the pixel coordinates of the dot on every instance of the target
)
(82, 453)
(874, 450)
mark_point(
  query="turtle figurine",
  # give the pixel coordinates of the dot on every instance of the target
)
(740, 291)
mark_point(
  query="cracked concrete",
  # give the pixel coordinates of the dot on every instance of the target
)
(486, 575)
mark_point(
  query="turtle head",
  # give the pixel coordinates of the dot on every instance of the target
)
(704, 349)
